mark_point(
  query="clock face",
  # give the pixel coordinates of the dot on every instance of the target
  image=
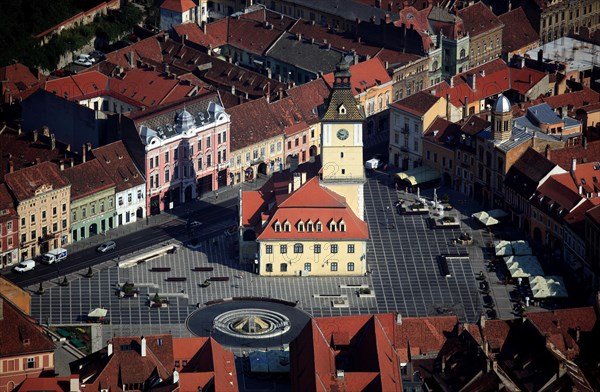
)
(342, 134)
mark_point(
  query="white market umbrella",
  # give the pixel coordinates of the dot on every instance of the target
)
(98, 312)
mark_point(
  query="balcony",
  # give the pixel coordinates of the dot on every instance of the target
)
(222, 166)
(257, 160)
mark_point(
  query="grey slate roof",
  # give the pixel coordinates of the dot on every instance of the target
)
(301, 53)
(345, 9)
(517, 137)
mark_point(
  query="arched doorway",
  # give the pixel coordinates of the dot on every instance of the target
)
(140, 212)
(188, 193)
(93, 229)
(262, 168)
(288, 161)
(312, 152)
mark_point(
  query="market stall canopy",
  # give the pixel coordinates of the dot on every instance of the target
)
(497, 213)
(548, 287)
(419, 175)
(485, 218)
(98, 312)
(521, 248)
(503, 248)
(523, 266)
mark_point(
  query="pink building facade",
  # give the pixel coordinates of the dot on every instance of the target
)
(186, 152)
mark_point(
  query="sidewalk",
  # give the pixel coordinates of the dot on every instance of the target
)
(179, 212)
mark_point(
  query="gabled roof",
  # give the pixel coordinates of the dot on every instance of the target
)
(365, 75)
(194, 33)
(417, 104)
(362, 346)
(557, 195)
(525, 174)
(18, 81)
(87, 179)
(443, 132)
(252, 122)
(495, 333)
(26, 182)
(20, 335)
(116, 161)
(517, 32)
(319, 204)
(576, 218)
(523, 79)
(581, 153)
(46, 384)
(308, 97)
(178, 5)
(478, 19)
(422, 336)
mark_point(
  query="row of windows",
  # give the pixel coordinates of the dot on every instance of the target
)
(43, 215)
(309, 226)
(93, 209)
(44, 231)
(140, 195)
(299, 248)
(187, 151)
(333, 266)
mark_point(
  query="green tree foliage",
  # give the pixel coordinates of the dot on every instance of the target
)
(21, 20)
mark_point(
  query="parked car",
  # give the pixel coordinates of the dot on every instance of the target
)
(24, 266)
(108, 245)
(195, 224)
(55, 256)
(85, 60)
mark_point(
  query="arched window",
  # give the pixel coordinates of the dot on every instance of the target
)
(298, 248)
(283, 267)
(462, 53)
(380, 102)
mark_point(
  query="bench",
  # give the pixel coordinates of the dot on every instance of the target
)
(202, 269)
(219, 279)
(160, 269)
(176, 279)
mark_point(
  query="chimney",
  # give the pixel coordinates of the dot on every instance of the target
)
(166, 68)
(540, 59)
(530, 79)
(19, 130)
(35, 136)
(11, 166)
(482, 73)
(176, 377)
(299, 36)
(482, 321)
(297, 181)
(74, 383)
(45, 131)
(472, 79)
(399, 318)
(522, 63)
(339, 374)
(62, 165)
(289, 188)
(443, 363)
(448, 114)
(451, 81)
(72, 160)
(573, 165)
(131, 62)
(466, 107)
(109, 348)
(83, 153)
(269, 73)
(143, 347)
(233, 89)
(52, 142)
(302, 178)
(1, 309)
(204, 27)
(547, 152)
(577, 334)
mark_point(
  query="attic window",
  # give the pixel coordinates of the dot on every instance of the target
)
(319, 227)
(342, 109)
(342, 225)
(301, 226)
(277, 227)
(333, 226)
(287, 227)
(309, 226)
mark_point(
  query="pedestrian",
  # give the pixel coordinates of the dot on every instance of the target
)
(216, 195)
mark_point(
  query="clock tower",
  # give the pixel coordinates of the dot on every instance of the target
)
(341, 142)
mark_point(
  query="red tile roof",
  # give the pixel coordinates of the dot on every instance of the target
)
(564, 157)
(495, 333)
(252, 122)
(520, 79)
(370, 73)
(6, 204)
(46, 384)
(587, 175)
(478, 19)
(18, 81)
(494, 82)
(20, 335)
(561, 326)
(318, 204)
(370, 362)
(417, 336)
(22, 151)
(87, 179)
(116, 161)
(576, 218)
(308, 97)
(417, 104)
(559, 193)
(178, 5)
(25, 182)
(195, 34)
(518, 32)
(442, 131)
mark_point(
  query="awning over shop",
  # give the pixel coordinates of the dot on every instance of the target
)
(419, 175)
(503, 248)
(548, 287)
(523, 266)
(521, 248)
(485, 218)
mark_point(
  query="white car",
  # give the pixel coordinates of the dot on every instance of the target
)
(108, 245)
(85, 60)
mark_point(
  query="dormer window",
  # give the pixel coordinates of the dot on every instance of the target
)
(342, 109)
(277, 227)
(342, 225)
(319, 226)
(300, 226)
(287, 227)
(332, 226)
(309, 226)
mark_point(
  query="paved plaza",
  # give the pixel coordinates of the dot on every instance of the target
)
(402, 258)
